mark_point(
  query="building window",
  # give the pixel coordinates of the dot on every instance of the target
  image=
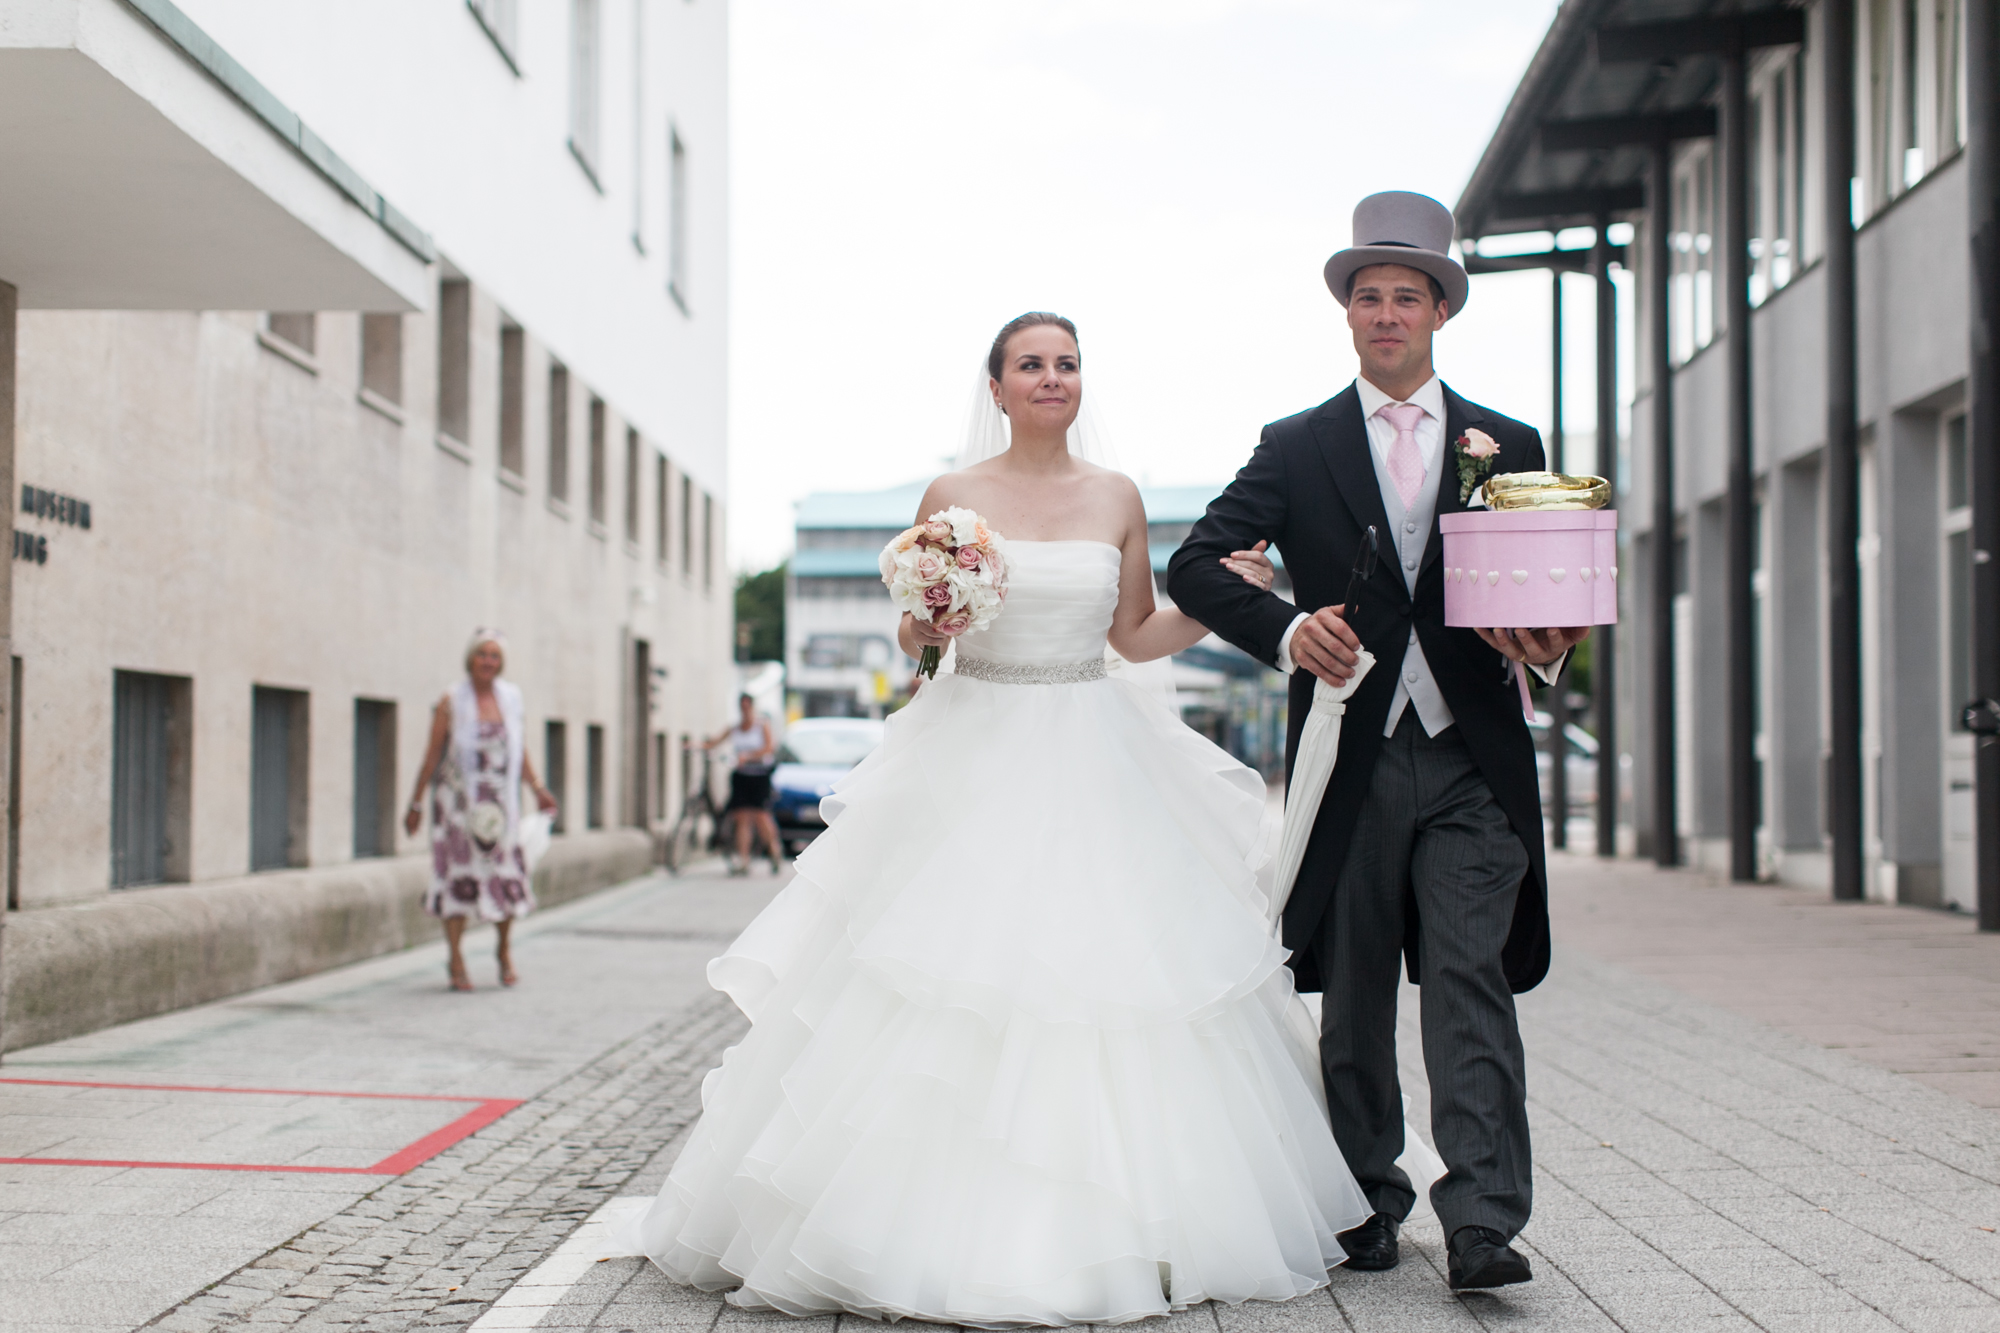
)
(593, 776)
(558, 431)
(150, 718)
(639, 128)
(1691, 310)
(687, 525)
(1948, 42)
(1957, 506)
(660, 503)
(500, 19)
(707, 541)
(677, 219)
(598, 481)
(659, 775)
(1910, 83)
(374, 778)
(382, 358)
(555, 768)
(455, 360)
(632, 485)
(585, 95)
(300, 329)
(1777, 192)
(278, 749)
(513, 391)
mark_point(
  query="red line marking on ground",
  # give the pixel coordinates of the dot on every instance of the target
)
(488, 1110)
(259, 1092)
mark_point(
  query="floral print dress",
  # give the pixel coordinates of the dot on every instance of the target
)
(476, 864)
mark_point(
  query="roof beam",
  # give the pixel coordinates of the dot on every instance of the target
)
(1544, 206)
(1700, 36)
(1563, 261)
(1695, 122)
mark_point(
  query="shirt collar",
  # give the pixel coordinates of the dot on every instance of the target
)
(1430, 397)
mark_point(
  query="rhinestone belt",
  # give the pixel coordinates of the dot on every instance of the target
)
(1058, 673)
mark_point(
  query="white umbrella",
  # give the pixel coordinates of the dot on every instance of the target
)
(1319, 746)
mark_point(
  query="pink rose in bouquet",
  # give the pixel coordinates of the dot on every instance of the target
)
(949, 572)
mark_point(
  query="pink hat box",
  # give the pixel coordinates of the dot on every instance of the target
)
(1530, 568)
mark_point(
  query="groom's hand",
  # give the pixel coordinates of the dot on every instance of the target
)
(1536, 647)
(1326, 646)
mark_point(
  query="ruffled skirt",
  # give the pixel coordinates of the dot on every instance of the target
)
(1018, 1048)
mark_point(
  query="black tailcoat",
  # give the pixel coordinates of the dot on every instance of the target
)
(1311, 489)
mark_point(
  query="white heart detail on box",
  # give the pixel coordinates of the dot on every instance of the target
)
(1584, 573)
(1520, 576)
(1614, 573)
(1492, 576)
(1556, 575)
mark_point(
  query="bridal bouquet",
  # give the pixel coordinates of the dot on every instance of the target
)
(949, 572)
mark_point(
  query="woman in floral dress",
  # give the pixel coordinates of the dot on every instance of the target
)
(474, 769)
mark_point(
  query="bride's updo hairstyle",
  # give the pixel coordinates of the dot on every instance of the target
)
(997, 358)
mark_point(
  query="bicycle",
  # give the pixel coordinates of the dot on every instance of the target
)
(686, 837)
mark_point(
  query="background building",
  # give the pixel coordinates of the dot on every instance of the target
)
(840, 627)
(250, 544)
(1736, 480)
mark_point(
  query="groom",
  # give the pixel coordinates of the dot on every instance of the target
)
(1428, 843)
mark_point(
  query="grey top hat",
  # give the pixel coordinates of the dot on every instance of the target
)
(1398, 227)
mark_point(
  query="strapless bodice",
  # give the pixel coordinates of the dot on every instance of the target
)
(1060, 596)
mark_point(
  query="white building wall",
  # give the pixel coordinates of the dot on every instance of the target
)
(254, 522)
(421, 102)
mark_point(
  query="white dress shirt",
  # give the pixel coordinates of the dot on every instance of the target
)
(1409, 532)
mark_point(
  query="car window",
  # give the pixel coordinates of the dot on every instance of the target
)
(834, 748)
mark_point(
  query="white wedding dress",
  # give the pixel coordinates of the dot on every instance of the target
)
(1018, 1051)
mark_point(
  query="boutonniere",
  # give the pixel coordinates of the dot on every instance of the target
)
(1476, 451)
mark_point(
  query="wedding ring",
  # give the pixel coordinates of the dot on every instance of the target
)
(1546, 490)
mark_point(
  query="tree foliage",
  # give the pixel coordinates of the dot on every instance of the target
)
(760, 609)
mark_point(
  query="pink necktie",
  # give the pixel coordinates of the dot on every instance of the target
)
(1406, 460)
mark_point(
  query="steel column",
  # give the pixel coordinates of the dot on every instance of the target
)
(1604, 650)
(1735, 245)
(1559, 692)
(9, 308)
(1843, 474)
(1659, 284)
(1982, 69)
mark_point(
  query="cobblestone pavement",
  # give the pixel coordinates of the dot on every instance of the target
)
(105, 1249)
(1698, 1165)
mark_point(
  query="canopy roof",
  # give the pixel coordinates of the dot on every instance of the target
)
(1589, 82)
(146, 169)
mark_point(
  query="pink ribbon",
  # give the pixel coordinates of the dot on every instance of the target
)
(1527, 701)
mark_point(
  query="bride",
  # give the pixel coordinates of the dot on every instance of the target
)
(1018, 1051)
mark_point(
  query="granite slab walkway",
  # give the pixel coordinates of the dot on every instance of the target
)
(1750, 1112)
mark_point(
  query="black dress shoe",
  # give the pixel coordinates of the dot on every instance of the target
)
(1481, 1257)
(1371, 1247)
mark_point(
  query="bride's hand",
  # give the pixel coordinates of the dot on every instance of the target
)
(922, 632)
(1252, 566)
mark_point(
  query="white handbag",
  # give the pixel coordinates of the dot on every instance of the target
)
(536, 829)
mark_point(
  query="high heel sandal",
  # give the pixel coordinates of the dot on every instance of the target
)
(507, 974)
(460, 978)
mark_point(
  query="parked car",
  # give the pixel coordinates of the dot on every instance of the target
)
(815, 753)
(1580, 768)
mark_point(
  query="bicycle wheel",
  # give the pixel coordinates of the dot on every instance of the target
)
(681, 843)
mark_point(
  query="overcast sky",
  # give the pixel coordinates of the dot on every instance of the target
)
(1171, 174)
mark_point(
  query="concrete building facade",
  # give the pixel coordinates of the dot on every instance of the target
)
(1577, 142)
(249, 544)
